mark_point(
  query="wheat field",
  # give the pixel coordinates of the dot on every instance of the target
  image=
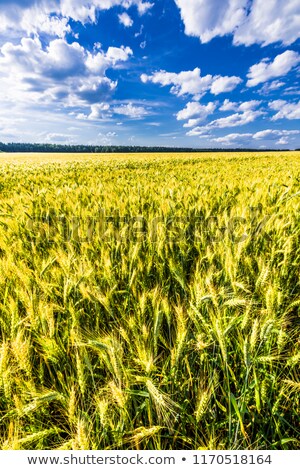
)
(150, 301)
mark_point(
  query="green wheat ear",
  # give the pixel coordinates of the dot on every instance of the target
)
(148, 341)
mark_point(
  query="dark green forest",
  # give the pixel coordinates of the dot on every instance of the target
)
(60, 148)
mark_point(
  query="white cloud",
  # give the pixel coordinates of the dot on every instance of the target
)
(62, 73)
(35, 21)
(108, 134)
(183, 83)
(270, 87)
(249, 105)
(59, 59)
(229, 106)
(266, 70)
(234, 120)
(143, 7)
(193, 122)
(192, 83)
(291, 90)
(233, 138)
(32, 17)
(98, 111)
(208, 19)
(60, 138)
(274, 133)
(118, 54)
(52, 16)
(195, 109)
(99, 62)
(237, 119)
(225, 84)
(282, 141)
(195, 113)
(125, 20)
(268, 135)
(243, 106)
(197, 131)
(270, 21)
(285, 110)
(134, 112)
(260, 21)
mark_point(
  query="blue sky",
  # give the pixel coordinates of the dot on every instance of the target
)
(195, 73)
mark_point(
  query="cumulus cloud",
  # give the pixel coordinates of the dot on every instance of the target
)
(270, 21)
(266, 70)
(196, 110)
(125, 20)
(56, 137)
(62, 73)
(143, 6)
(244, 106)
(249, 105)
(52, 16)
(282, 141)
(274, 133)
(260, 21)
(267, 133)
(229, 106)
(237, 119)
(246, 112)
(291, 90)
(98, 111)
(182, 83)
(285, 110)
(233, 120)
(230, 139)
(225, 84)
(271, 87)
(60, 59)
(281, 136)
(192, 83)
(197, 131)
(31, 16)
(118, 54)
(131, 111)
(207, 20)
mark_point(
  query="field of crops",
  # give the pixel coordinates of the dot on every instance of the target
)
(150, 301)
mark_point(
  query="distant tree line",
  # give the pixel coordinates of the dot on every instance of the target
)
(60, 148)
